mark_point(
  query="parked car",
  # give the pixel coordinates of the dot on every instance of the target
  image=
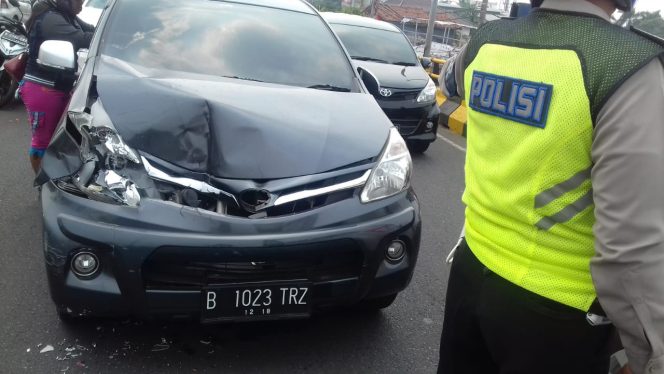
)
(403, 90)
(221, 160)
(13, 42)
(92, 10)
(20, 13)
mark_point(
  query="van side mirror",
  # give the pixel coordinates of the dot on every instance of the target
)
(57, 55)
(370, 81)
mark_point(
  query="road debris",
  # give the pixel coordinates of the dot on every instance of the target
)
(48, 348)
(164, 345)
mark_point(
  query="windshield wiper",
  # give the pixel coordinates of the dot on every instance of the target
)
(242, 78)
(403, 63)
(329, 88)
(365, 58)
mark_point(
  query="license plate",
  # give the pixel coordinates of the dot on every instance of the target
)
(19, 39)
(256, 301)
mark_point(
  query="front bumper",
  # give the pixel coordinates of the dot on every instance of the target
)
(135, 245)
(416, 122)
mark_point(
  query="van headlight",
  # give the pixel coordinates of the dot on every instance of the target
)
(428, 94)
(392, 174)
(105, 156)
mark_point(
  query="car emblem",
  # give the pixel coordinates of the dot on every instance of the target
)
(385, 92)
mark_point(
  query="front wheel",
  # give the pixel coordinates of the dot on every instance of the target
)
(7, 88)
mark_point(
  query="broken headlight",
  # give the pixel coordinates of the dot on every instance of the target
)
(392, 174)
(105, 158)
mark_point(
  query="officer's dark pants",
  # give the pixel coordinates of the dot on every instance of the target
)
(493, 326)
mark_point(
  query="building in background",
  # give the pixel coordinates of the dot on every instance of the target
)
(356, 3)
(412, 17)
(455, 20)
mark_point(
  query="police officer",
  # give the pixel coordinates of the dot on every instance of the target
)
(564, 227)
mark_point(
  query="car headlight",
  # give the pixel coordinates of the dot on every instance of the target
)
(392, 174)
(105, 156)
(428, 94)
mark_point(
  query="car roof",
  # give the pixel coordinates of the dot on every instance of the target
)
(294, 5)
(355, 20)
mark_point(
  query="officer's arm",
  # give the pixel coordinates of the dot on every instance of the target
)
(628, 185)
(451, 76)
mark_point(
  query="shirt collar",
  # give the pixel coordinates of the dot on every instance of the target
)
(577, 6)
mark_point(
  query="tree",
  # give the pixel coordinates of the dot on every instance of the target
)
(651, 22)
(327, 5)
(485, 4)
(469, 11)
(351, 10)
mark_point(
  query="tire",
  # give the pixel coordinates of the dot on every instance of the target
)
(377, 303)
(7, 89)
(418, 146)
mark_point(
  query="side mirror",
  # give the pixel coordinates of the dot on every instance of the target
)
(426, 62)
(57, 55)
(14, 3)
(370, 81)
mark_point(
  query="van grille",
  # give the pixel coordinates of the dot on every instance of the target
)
(193, 268)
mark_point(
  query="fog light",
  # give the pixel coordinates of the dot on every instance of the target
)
(396, 250)
(84, 264)
(429, 125)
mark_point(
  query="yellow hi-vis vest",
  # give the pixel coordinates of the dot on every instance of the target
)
(531, 109)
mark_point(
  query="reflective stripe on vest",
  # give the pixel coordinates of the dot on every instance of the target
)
(529, 208)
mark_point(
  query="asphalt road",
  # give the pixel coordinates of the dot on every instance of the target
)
(401, 339)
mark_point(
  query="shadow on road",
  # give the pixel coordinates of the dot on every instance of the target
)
(285, 345)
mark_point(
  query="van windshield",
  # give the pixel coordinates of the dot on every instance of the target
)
(228, 39)
(365, 43)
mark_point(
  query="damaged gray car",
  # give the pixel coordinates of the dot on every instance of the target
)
(222, 161)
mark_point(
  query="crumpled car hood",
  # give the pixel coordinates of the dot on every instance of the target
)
(238, 129)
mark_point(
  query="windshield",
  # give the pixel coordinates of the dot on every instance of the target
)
(364, 43)
(228, 39)
(97, 4)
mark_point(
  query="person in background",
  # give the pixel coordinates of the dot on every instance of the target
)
(564, 222)
(44, 92)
